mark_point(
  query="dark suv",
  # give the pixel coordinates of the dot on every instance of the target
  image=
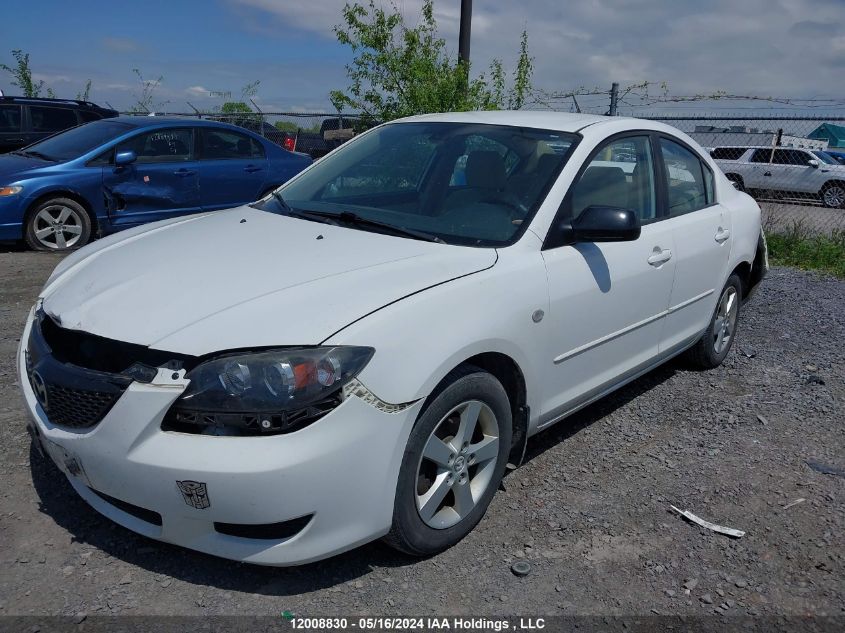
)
(25, 120)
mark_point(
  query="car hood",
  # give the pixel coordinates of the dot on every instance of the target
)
(14, 167)
(244, 278)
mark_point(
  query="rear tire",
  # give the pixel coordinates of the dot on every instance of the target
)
(449, 475)
(713, 346)
(57, 224)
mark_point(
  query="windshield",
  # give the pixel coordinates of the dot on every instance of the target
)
(77, 141)
(826, 158)
(461, 183)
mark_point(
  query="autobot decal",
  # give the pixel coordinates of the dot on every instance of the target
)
(195, 494)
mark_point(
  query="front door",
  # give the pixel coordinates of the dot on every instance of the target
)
(233, 168)
(701, 232)
(607, 301)
(163, 182)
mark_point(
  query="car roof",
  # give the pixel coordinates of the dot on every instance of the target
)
(542, 119)
(145, 120)
(73, 103)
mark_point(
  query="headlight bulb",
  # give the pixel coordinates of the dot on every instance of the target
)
(235, 378)
(328, 371)
(280, 379)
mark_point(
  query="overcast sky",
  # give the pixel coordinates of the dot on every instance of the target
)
(781, 48)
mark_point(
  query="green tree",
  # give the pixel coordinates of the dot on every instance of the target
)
(22, 78)
(398, 71)
(85, 93)
(22, 75)
(145, 98)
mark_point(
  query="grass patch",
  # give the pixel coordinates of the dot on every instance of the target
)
(797, 247)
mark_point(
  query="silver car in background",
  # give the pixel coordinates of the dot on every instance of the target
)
(784, 172)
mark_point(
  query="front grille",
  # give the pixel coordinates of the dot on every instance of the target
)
(70, 395)
(77, 408)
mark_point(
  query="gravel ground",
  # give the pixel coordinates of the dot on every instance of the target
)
(589, 510)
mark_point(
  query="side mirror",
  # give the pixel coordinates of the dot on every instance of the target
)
(813, 163)
(122, 159)
(605, 224)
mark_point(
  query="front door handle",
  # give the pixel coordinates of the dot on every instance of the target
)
(252, 168)
(767, 173)
(659, 257)
(184, 172)
(722, 235)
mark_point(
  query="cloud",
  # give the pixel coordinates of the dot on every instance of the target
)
(120, 44)
(197, 91)
(697, 46)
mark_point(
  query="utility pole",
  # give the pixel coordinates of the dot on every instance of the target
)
(614, 97)
(465, 31)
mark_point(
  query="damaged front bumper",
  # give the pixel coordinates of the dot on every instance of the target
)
(274, 500)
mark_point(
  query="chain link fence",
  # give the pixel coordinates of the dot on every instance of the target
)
(794, 166)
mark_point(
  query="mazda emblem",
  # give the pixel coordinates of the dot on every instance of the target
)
(40, 389)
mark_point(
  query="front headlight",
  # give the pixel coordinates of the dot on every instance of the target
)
(10, 191)
(274, 391)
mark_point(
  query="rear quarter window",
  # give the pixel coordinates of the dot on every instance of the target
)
(728, 153)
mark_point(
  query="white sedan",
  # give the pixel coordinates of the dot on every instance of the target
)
(360, 354)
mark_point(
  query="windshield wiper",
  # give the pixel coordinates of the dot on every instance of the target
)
(36, 155)
(304, 215)
(347, 217)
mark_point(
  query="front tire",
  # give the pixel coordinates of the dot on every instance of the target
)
(453, 463)
(833, 195)
(57, 224)
(713, 347)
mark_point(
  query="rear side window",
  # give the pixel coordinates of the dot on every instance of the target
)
(790, 157)
(10, 118)
(728, 153)
(51, 119)
(761, 156)
(226, 145)
(687, 186)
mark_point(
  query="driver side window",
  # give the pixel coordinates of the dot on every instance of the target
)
(620, 175)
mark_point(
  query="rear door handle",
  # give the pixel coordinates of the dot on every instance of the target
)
(722, 235)
(659, 257)
(767, 173)
(252, 168)
(184, 172)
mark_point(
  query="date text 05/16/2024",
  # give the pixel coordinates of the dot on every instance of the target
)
(415, 624)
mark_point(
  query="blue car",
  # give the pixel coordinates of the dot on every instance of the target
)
(117, 173)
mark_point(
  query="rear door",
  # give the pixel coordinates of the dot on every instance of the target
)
(163, 182)
(11, 127)
(232, 169)
(701, 232)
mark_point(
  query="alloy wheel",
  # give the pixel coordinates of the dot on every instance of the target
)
(457, 464)
(834, 196)
(58, 227)
(725, 322)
